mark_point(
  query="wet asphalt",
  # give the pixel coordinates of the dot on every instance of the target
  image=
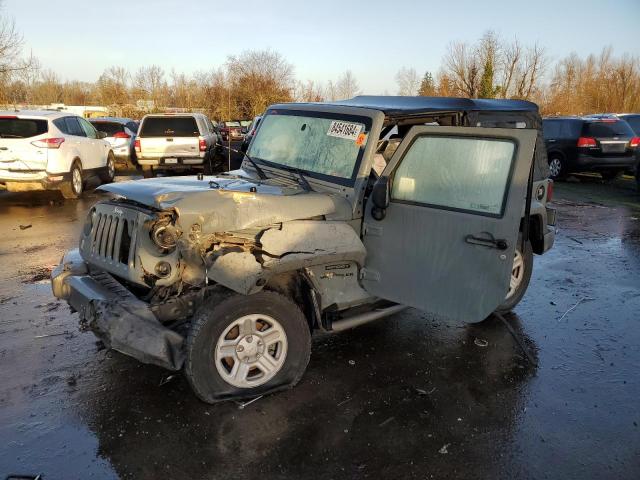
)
(405, 397)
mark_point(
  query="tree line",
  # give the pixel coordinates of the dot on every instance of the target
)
(247, 83)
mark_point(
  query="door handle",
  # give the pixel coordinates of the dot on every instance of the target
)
(490, 242)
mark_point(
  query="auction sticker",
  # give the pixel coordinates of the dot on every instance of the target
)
(347, 130)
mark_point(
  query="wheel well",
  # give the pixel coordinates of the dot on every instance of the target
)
(555, 153)
(294, 285)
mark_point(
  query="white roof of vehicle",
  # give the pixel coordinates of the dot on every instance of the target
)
(48, 114)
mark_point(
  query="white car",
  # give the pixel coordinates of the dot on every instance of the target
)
(177, 141)
(121, 135)
(51, 150)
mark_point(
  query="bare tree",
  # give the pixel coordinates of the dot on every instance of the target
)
(408, 81)
(113, 86)
(463, 69)
(346, 86)
(149, 84)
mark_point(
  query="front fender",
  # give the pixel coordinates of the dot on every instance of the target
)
(292, 246)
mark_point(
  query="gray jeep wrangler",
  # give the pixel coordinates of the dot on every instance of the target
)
(341, 213)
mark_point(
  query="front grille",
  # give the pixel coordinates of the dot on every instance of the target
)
(111, 243)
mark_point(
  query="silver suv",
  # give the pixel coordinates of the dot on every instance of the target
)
(341, 214)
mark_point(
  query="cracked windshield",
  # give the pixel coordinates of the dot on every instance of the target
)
(322, 145)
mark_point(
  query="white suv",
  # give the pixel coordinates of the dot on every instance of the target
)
(177, 141)
(51, 150)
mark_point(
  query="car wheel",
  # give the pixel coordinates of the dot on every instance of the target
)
(520, 277)
(243, 346)
(74, 187)
(556, 168)
(147, 171)
(610, 174)
(110, 174)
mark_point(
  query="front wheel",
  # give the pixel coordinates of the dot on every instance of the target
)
(520, 276)
(243, 346)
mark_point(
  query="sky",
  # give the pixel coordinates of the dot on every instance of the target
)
(78, 39)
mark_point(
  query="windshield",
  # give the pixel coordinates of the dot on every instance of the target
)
(322, 143)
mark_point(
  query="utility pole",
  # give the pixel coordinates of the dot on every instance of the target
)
(229, 130)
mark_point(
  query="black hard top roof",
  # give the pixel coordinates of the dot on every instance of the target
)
(402, 105)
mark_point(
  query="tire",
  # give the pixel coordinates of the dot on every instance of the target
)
(557, 168)
(147, 171)
(251, 363)
(610, 175)
(110, 174)
(524, 277)
(73, 188)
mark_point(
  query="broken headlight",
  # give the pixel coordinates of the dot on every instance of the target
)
(165, 237)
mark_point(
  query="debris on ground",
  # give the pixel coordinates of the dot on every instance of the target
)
(583, 299)
(444, 448)
(481, 342)
(66, 332)
(246, 404)
(167, 379)
(352, 362)
(24, 227)
(388, 420)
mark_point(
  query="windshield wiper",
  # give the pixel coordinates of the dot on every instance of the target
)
(261, 174)
(302, 180)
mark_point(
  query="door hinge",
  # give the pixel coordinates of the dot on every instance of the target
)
(367, 274)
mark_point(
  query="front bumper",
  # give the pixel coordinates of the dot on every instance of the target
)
(122, 321)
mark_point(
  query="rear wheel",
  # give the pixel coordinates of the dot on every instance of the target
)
(74, 187)
(243, 346)
(520, 277)
(557, 167)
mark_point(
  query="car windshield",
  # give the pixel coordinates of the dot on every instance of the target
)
(110, 128)
(315, 143)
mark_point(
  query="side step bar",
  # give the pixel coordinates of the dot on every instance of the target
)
(357, 320)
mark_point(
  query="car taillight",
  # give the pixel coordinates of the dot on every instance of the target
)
(550, 191)
(48, 143)
(121, 135)
(136, 145)
(586, 142)
(203, 145)
(635, 141)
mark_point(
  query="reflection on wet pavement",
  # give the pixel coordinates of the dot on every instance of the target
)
(406, 397)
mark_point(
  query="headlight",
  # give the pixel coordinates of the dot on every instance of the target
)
(165, 237)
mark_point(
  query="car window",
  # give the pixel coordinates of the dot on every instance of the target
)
(22, 127)
(133, 126)
(73, 127)
(607, 128)
(110, 128)
(634, 123)
(469, 174)
(328, 146)
(169, 127)
(89, 130)
(550, 129)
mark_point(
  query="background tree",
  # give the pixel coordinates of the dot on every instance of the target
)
(346, 87)
(408, 81)
(427, 86)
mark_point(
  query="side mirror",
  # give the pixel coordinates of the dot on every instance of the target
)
(380, 198)
(102, 134)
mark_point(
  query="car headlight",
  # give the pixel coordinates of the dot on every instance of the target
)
(164, 236)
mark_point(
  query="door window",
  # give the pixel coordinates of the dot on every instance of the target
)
(73, 127)
(89, 131)
(455, 173)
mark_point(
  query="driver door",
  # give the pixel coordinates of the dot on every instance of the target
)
(446, 241)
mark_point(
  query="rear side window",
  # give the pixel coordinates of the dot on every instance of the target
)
(455, 173)
(634, 123)
(110, 128)
(70, 126)
(133, 126)
(607, 129)
(169, 127)
(551, 128)
(22, 127)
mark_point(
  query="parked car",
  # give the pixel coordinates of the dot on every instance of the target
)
(50, 150)
(603, 144)
(227, 278)
(177, 142)
(633, 119)
(251, 131)
(121, 135)
(231, 130)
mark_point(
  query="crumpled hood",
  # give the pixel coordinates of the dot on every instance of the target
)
(230, 203)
